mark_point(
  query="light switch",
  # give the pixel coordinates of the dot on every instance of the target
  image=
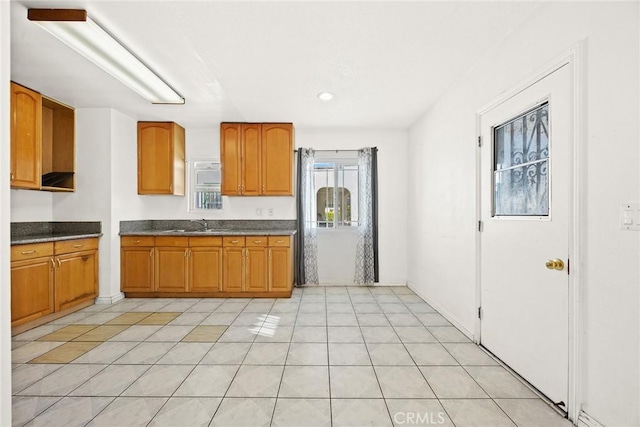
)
(630, 216)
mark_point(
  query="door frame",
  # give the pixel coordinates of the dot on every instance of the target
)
(575, 56)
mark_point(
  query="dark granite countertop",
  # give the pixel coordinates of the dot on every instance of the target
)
(41, 232)
(210, 232)
(214, 228)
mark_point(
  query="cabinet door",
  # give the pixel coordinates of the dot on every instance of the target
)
(171, 273)
(256, 270)
(230, 157)
(31, 289)
(251, 160)
(205, 269)
(26, 137)
(76, 278)
(277, 159)
(155, 158)
(280, 269)
(233, 269)
(136, 269)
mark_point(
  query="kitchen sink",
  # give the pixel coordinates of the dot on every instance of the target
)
(174, 231)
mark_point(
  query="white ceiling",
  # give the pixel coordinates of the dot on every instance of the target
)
(386, 62)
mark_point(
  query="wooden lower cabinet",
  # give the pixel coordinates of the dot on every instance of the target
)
(256, 270)
(205, 269)
(171, 268)
(207, 266)
(136, 264)
(136, 269)
(233, 260)
(31, 289)
(76, 278)
(280, 269)
(52, 277)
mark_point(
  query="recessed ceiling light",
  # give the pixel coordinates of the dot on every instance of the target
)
(325, 96)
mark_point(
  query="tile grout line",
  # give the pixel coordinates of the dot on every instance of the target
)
(224, 396)
(284, 367)
(369, 354)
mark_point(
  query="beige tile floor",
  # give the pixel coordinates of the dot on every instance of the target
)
(335, 356)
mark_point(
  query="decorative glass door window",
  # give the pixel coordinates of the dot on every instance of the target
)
(336, 183)
(521, 165)
(204, 185)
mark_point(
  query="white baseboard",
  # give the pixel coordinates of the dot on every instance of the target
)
(585, 420)
(354, 284)
(444, 312)
(389, 284)
(110, 300)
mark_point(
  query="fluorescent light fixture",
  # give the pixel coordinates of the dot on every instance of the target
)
(325, 96)
(74, 28)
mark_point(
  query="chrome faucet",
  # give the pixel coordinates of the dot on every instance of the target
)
(203, 222)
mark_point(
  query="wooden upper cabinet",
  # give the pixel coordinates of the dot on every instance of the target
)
(161, 158)
(257, 159)
(42, 142)
(26, 137)
(230, 153)
(277, 159)
(251, 160)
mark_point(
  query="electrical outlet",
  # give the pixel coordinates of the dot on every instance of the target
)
(270, 211)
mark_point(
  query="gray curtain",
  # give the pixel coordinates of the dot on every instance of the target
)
(367, 271)
(306, 237)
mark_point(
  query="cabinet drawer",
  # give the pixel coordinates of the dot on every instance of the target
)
(68, 246)
(257, 241)
(172, 241)
(30, 251)
(228, 241)
(283, 241)
(205, 241)
(137, 241)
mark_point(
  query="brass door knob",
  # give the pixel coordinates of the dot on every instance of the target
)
(555, 264)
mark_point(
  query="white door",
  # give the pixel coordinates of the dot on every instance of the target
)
(525, 183)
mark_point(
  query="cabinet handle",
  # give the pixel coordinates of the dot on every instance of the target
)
(53, 264)
(136, 241)
(257, 241)
(186, 253)
(279, 241)
(33, 251)
(238, 188)
(151, 253)
(78, 245)
(234, 241)
(269, 253)
(262, 188)
(59, 263)
(11, 176)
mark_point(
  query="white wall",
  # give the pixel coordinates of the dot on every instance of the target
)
(92, 199)
(30, 205)
(392, 183)
(5, 218)
(442, 189)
